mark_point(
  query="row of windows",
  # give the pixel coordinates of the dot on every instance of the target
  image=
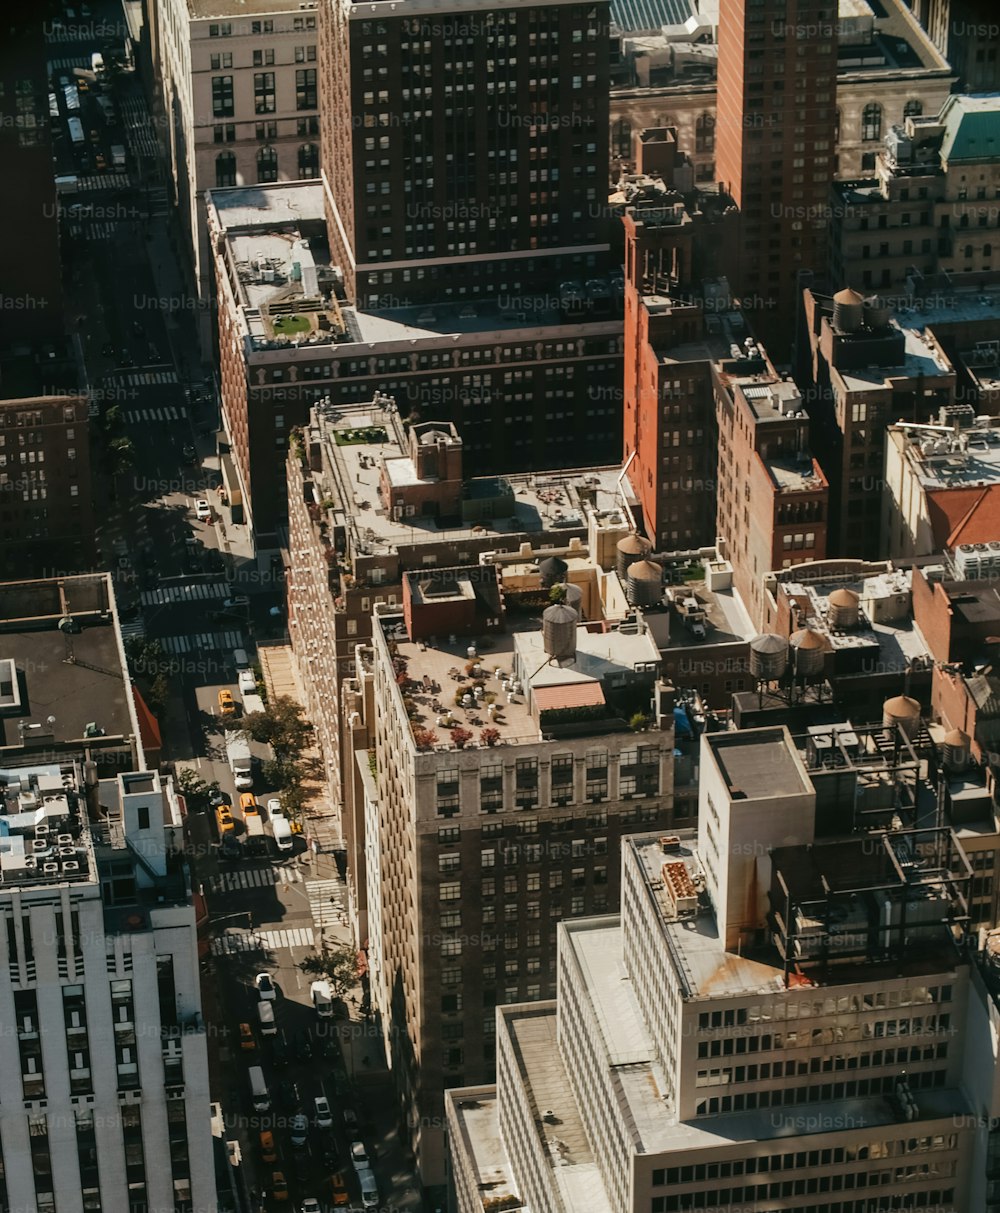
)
(785, 1097)
(267, 165)
(721, 1201)
(224, 29)
(223, 103)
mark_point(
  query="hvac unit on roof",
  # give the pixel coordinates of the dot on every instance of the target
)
(64, 840)
(66, 851)
(31, 863)
(50, 869)
(71, 865)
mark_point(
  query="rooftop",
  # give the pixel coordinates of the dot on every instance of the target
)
(44, 835)
(358, 437)
(475, 1113)
(759, 765)
(202, 9)
(44, 371)
(575, 1173)
(971, 127)
(68, 680)
(726, 618)
(922, 358)
(950, 458)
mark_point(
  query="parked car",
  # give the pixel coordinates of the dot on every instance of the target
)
(310, 1205)
(265, 986)
(202, 510)
(338, 1190)
(249, 805)
(300, 1129)
(268, 1152)
(218, 797)
(359, 1156)
(324, 1117)
(274, 808)
(247, 682)
(227, 705)
(247, 1038)
(279, 1186)
(224, 819)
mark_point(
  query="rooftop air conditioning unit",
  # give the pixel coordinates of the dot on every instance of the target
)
(50, 869)
(67, 851)
(42, 828)
(31, 863)
(39, 844)
(64, 840)
(71, 865)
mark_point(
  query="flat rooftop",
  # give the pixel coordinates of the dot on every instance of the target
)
(921, 359)
(40, 371)
(727, 618)
(475, 1113)
(574, 1170)
(943, 461)
(760, 763)
(543, 502)
(898, 642)
(67, 681)
(201, 9)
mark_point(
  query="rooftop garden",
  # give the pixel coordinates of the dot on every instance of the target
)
(288, 326)
(374, 433)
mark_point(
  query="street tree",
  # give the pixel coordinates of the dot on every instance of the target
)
(281, 724)
(337, 964)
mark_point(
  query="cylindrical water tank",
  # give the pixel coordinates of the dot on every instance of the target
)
(573, 597)
(877, 313)
(644, 584)
(848, 311)
(559, 631)
(629, 550)
(808, 648)
(956, 750)
(768, 657)
(903, 711)
(845, 607)
(552, 570)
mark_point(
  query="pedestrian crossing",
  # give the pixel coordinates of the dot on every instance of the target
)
(147, 378)
(202, 640)
(136, 628)
(159, 203)
(101, 230)
(326, 902)
(69, 62)
(262, 941)
(164, 413)
(103, 181)
(140, 134)
(253, 878)
(191, 592)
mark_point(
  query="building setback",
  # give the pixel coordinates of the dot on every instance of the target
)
(239, 84)
(726, 1041)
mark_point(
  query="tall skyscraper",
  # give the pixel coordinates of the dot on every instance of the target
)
(775, 143)
(465, 146)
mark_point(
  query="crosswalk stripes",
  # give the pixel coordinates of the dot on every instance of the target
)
(159, 203)
(134, 628)
(149, 377)
(326, 902)
(104, 181)
(68, 63)
(102, 230)
(253, 878)
(176, 645)
(192, 592)
(139, 131)
(166, 412)
(262, 941)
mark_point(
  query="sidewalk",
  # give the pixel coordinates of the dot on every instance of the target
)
(281, 677)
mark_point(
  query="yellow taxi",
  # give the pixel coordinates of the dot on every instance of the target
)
(224, 819)
(227, 706)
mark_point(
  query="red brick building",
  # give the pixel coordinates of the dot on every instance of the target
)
(775, 142)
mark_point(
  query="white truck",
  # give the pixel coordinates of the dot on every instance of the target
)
(265, 1013)
(282, 833)
(322, 998)
(251, 704)
(240, 761)
(258, 1088)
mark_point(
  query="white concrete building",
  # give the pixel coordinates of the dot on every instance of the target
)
(240, 94)
(790, 1049)
(105, 1073)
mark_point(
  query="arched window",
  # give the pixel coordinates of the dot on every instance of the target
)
(913, 109)
(308, 160)
(871, 122)
(267, 164)
(225, 170)
(704, 133)
(621, 139)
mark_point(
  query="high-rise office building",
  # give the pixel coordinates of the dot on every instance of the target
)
(776, 1020)
(104, 1062)
(465, 147)
(775, 142)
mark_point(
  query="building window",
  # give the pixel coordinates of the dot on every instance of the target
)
(263, 58)
(871, 122)
(305, 54)
(305, 89)
(222, 96)
(309, 160)
(225, 170)
(621, 139)
(913, 109)
(267, 164)
(263, 93)
(704, 134)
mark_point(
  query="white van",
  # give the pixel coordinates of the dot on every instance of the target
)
(282, 830)
(322, 999)
(96, 62)
(265, 1010)
(258, 1087)
(369, 1189)
(240, 657)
